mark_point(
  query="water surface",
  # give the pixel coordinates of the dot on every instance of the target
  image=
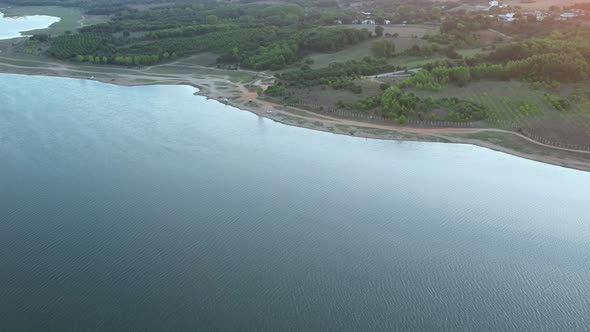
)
(11, 27)
(148, 208)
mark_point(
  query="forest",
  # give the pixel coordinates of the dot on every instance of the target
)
(249, 35)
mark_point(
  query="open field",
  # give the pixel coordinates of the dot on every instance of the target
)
(411, 61)
(467, 53)
(409, 35)
(413, 30)
(202, 59)
(71, 18)
(361, 50)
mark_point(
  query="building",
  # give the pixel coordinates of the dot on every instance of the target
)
(507, 17)
(386, 22)
(567, 16)
(368, 22)
(537, 14)
(494, 3)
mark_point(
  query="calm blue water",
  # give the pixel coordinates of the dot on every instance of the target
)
(148, 208)
(11, 27)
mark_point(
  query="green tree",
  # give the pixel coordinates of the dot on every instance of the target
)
(460, 75)
(379, 31)
(259, 91)
(382, 48)
(441, 74)
(212, 19)
(435, 13)
(402, 119)
(235, 53)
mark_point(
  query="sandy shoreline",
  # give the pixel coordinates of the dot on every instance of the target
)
(229, 88)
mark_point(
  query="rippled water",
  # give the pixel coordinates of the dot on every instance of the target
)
(148, 208)
(11, 27)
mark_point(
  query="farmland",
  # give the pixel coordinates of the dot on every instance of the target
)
(517, 104)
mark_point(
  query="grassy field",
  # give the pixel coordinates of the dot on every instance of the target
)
(415, 61)
(467, 53)
(206, 59)
(414, 30)
(409, 35)
(71, 18)
(361, 50)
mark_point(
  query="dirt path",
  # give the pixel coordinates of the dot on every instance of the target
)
(438, 131)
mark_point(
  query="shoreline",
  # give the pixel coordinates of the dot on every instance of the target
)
(220, 85)
(23, 33)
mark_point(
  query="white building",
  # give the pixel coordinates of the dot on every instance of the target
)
(567, 16)
(507, 17)
(386, 22)
(494, 3)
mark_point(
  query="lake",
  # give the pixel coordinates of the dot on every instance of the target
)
(149, 208)
(11, 27)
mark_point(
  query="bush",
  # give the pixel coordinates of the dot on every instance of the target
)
(356, 89)
(559, 103)
(382, 48)
(379, 31)
(460, 75)
(402, 120)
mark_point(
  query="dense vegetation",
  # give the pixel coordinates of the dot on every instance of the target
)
(257, 36)
(395, 103)
(253, 36)
(307, 77)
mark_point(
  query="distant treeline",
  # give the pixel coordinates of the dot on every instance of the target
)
(307, 77)
(257, 36)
